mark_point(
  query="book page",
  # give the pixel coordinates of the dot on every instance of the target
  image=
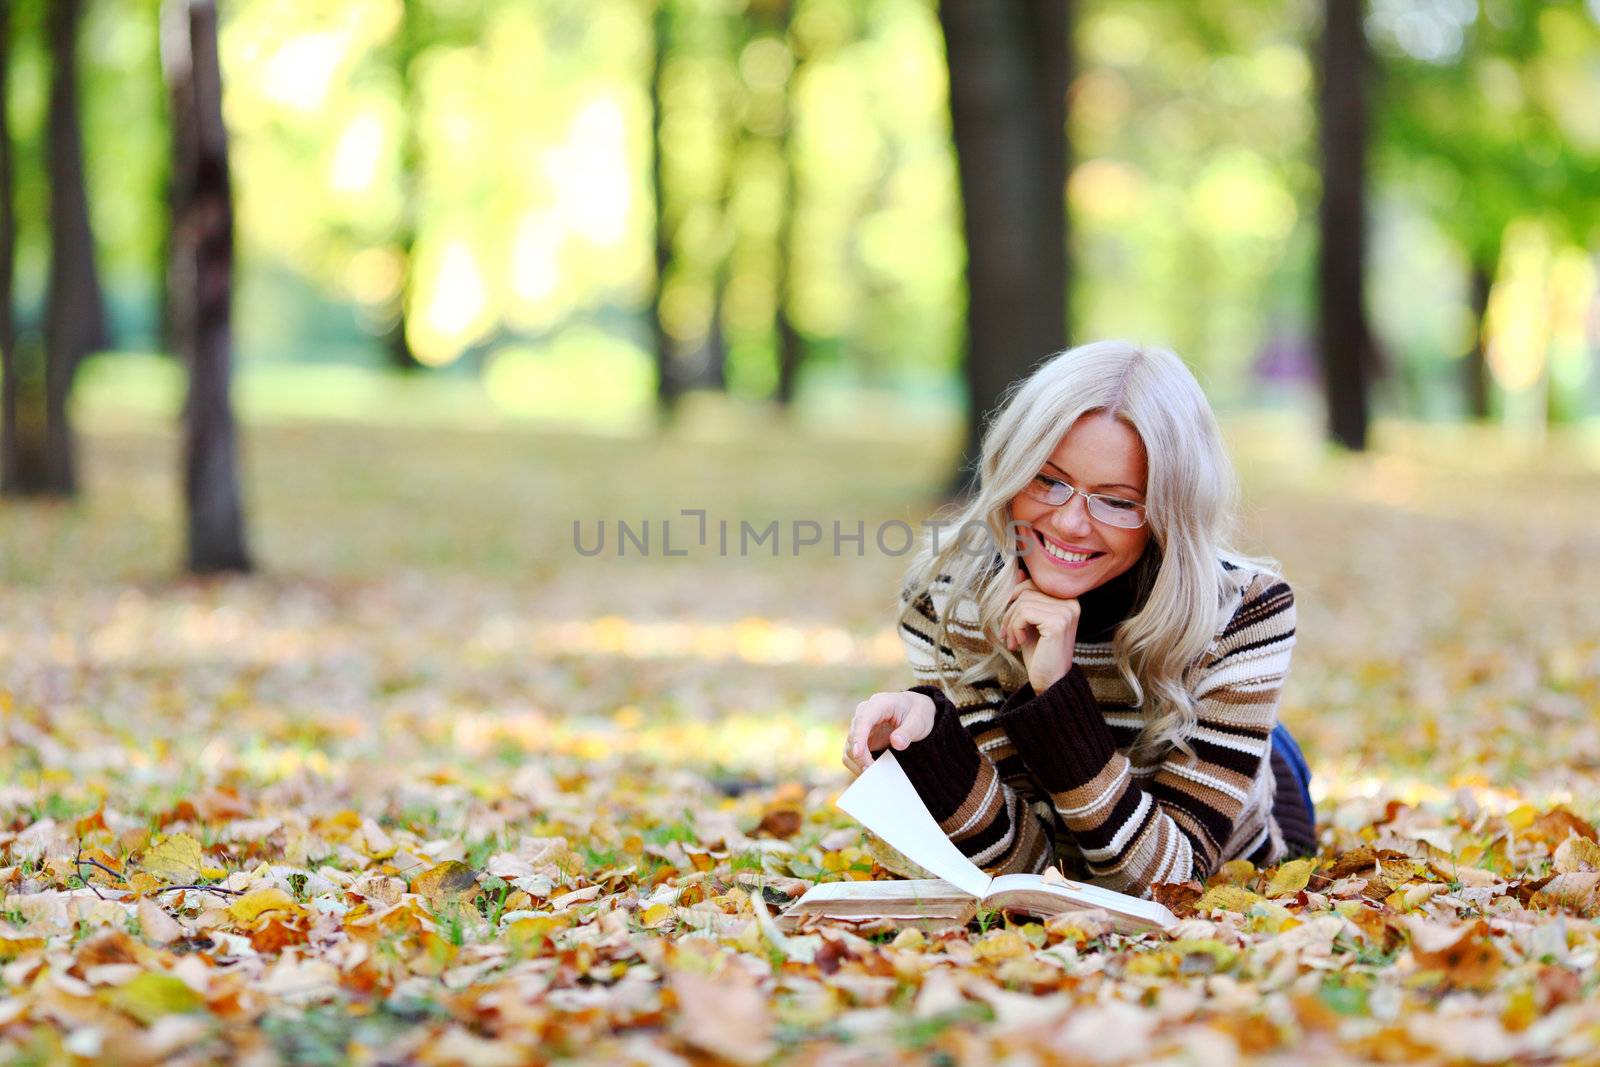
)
(1083, 894)
(884, 801)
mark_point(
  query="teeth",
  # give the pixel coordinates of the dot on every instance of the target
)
(1070, 557)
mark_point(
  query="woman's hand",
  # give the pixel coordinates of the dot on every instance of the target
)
(893, 719)
(1044, 629)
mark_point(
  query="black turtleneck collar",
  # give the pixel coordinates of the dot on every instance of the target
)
(1107, 606)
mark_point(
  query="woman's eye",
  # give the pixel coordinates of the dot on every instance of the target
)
(1120, 504)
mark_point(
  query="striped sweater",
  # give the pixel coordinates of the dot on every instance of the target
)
(1020, 780)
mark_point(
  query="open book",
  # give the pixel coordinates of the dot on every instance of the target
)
(884, 801)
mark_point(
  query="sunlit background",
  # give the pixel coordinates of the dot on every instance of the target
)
(486, 166)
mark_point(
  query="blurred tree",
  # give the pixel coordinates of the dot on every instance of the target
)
(1348, 356)
(773, 18)
(202, 286)
(1474, 125)
(408, 47)
(724, 34)
(1010, 65)
(666, 375)
(13, 466)
(75, 316)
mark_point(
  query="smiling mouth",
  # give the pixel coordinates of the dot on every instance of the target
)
(1058, 555)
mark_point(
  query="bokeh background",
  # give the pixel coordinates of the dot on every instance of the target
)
(499, 270)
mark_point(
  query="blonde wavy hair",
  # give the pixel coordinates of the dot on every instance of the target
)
(1191, 502)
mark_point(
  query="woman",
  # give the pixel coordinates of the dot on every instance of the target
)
(1102, 693)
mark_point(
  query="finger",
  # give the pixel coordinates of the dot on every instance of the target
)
(858, 736)
(1013, 631)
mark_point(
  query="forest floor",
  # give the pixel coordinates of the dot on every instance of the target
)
(453, 792)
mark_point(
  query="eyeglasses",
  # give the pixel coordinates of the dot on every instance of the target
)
(1111, 510)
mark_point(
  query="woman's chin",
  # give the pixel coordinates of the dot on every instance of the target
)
(1052, 582)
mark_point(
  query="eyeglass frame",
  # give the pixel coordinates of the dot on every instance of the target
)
(1089, 500)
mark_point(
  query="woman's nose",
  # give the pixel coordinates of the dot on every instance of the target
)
(1073, 516)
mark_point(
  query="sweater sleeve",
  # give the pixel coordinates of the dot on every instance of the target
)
(1176, 826)
(991, 821)
(965, 771)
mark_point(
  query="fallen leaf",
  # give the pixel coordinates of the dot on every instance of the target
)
(151, 996)
(1577, 854)
(1555, 825)
(449, 880)
(155, 924)
(1463, 954)
(1228, 898)
(173, 860)
(249, 908)
(1291, 877)
(1576, 891)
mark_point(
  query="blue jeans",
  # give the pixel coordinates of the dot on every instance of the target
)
(1284, 743)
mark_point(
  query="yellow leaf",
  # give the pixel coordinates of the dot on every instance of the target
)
(256, 903)
(1291, 877)
(174, 860)
(525, 932)
(13, 945)
(1228, 898)
(149, 996)
(452, 878)
(1237, 872)
(213, 872)
(656, 913)
(1001, 945)
(909, 937)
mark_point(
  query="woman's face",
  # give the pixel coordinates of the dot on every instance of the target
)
(1099, 454)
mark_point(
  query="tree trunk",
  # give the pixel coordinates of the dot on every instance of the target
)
(1347, 354)
(790, 345)
(1475, 371)
(202, 287)
(396, 344)
(11, 471)
(75, 316)
(1010, 65)
(667, 384)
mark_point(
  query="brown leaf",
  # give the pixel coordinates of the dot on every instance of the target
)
(1463, 954)
(1577, 892)
(1353, 862)
(1178, 897)
(1556, 824)
(1577, 854)
(277, 932)
(450, 879)
(780, 820)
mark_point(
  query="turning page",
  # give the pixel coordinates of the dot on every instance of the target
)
(884, 801)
